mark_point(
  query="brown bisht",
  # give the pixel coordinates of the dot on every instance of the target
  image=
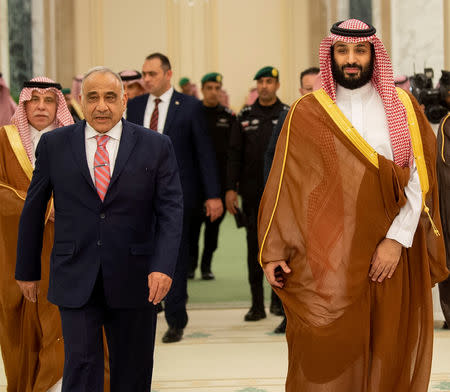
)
(443, 176)
(328, 202)
(31, 339)
(30, 333)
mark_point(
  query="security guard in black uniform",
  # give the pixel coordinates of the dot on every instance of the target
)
(220, 120)
(245, 173)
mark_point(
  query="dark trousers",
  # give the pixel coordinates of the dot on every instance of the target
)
(130, 334)
(444, 294)
(210, 240)
(175, 301)
(255, 272)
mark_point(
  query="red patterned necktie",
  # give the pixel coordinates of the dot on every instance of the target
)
(101, 166)
(155, 115)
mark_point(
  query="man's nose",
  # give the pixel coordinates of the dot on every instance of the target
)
(351, 56)
(41, 105)
(102, 105)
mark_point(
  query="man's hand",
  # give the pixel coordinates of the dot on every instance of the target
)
(30, 290)
(158, 285)
(214, 208)
(385, 259)
(274, 272)
(231, 201)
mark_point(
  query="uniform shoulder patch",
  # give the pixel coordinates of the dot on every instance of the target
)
(286, 107)
(229, 111)
(245, 111)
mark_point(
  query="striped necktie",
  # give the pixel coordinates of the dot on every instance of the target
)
(155, 115)
(101, 166)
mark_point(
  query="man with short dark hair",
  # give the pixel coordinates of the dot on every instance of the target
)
(181, 118)
(220, 121)
(342, 236)
(248, 143)
(308, 80)
(118, 208)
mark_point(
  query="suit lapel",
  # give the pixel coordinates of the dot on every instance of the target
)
(126, 145)
(174, 105)
(78, 144)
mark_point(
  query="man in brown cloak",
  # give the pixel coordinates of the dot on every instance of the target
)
(30, 333)
(349, 224)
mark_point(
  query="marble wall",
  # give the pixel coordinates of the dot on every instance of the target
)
(20, 47)
(417, 37)
(361, 9)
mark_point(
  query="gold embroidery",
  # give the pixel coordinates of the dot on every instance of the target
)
(346, 126)
(281, 177)
(416, 141)
(16, 143)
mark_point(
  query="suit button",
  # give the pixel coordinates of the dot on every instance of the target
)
(102, 215)
(99, 243)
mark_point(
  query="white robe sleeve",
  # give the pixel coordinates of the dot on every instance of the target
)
(405, 223)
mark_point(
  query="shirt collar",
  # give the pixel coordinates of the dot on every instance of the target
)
(115, 132)
(364, 92)
(35, 133)
(164, 97)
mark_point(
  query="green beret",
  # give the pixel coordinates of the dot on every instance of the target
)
(268, 71)
(212, 77)
(65, 91)
(183, 81)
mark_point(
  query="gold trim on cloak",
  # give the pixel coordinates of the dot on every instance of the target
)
(76, 106)
(19, 151)
(346, 126)
(281, 177)
(416, 141)
(358, 141)
(443, 136)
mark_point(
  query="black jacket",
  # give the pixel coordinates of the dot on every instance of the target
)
(248, 143)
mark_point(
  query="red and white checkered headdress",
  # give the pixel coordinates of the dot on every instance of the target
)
(354, 31)
(20, 119)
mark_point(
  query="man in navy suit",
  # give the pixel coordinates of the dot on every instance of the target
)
(118, 216)
(181, 118)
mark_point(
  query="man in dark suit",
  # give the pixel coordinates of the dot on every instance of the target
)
(181, 118)
(118, 217)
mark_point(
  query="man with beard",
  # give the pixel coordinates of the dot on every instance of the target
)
(342, 235)
(248, 143)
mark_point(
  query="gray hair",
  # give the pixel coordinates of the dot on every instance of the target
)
(102, 69)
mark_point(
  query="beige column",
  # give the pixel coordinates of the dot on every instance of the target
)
(4, 40)
(446, 34)
(295, 47)
(88, 37)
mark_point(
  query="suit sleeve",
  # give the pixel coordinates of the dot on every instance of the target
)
(235, 151)
(270, 152)
(168, 210)
(205, 154)
(32, 220)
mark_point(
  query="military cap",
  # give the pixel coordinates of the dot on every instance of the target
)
(183, 81)
(267, 72)
(212, 77)
(65, 91)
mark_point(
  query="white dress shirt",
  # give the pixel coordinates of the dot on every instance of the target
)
(112, 146)
(364, 108)
(163, 108)
(35, 137)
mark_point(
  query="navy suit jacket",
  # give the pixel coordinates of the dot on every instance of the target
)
(186, 126)
(136, 230)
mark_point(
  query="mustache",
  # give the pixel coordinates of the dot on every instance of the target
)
(352, 66)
